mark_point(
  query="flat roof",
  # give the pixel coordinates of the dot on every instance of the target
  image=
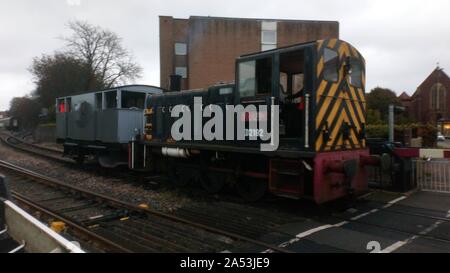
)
(251, 19)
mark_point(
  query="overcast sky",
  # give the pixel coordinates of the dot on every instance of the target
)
(401, 40)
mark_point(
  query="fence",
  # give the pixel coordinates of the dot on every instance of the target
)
(431, 175)
(378, 178)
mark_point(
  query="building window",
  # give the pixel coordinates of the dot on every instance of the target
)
(267, 47)
(438, 97)
(180, 49)
(182, 71)
(268, 35)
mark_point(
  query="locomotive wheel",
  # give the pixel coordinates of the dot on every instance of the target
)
(213, 182)
(181, 177)
(251, 189)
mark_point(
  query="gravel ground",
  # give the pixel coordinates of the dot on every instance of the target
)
(130, 191)
(51, 145)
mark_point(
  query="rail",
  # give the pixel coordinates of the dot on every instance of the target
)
(134, 208)
(30, 234)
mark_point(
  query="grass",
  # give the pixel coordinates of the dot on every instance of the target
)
(49, 124)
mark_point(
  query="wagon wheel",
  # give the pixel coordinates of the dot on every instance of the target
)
(251, 189)
(213, 182)
(80, 158)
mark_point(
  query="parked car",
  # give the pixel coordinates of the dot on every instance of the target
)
(440, 137)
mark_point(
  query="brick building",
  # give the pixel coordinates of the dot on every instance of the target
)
(431, 101)
(405, 101)
(203, 49)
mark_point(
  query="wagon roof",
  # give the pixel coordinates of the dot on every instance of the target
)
(114, 88)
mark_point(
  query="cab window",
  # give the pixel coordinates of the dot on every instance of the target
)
(297, 83)
(291, 75)
(356, 73)
(255, 77)
(331, 65)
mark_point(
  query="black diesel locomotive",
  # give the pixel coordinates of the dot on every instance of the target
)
(319, 90)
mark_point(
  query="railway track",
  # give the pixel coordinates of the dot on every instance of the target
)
(45, 152)
(56, 155)
(234, 219)
(108, 224)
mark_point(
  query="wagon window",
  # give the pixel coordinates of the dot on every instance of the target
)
(98, 101)
(111, 99)
(356, 74)
(68, 104)
(331, 65)
(133, 100)
(61, 106)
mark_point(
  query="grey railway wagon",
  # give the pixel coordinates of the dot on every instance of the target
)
(98, 121)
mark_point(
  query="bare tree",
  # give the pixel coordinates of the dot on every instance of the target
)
(103, 53)
(59, 75)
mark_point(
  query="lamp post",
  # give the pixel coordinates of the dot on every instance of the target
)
(392, 109)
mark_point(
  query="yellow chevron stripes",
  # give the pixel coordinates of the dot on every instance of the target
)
(363, 81)
(320, 66)
(322, 86)
(326, 103)
(332, 43)
(319, 45)
(336, 106)
(343, 50)
(319, 140)
(359, 111)
(334, 133)
(352, 111)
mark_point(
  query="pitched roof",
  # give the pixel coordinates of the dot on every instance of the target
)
(404, 96)
(437, 72)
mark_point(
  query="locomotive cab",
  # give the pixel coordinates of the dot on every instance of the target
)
(284, 74)
(319, 88)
